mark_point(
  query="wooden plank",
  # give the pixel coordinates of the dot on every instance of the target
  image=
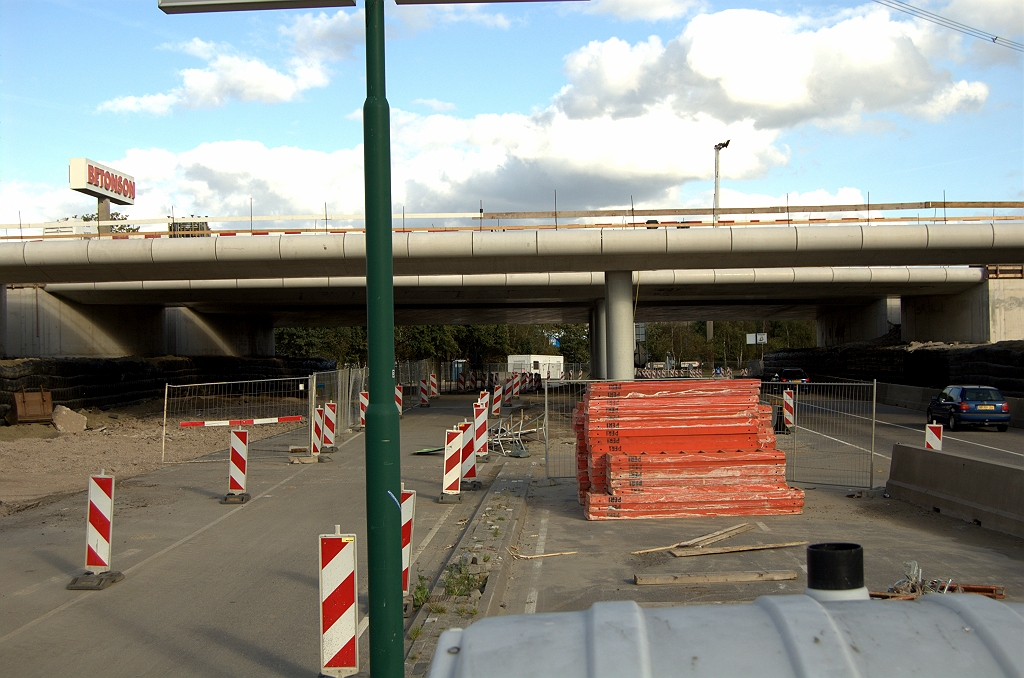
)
(709, 538)
(684, 553)
(714, 577)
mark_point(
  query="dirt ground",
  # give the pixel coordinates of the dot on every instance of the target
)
(37, 462)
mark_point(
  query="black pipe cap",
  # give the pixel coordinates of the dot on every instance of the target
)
(835, 566)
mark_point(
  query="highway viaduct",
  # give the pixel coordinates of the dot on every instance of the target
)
(220, 295)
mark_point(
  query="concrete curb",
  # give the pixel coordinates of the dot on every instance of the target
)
(497, 582)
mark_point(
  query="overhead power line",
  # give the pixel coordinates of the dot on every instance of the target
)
(949, 23)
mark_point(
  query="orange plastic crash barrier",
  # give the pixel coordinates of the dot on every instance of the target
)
(669, 449)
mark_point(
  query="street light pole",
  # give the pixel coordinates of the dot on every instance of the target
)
(383, 510)
(718, 149)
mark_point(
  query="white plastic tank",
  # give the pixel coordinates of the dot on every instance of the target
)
(833, 630)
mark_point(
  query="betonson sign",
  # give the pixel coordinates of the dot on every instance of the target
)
(90, 177)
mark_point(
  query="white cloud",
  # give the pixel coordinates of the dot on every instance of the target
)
(776, 70)
(325, 37)
(435, 104)
(226, 77)
(646, 10)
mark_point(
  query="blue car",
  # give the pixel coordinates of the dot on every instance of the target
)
(959, 406)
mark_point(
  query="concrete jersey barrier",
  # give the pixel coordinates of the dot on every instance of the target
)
(987, 492)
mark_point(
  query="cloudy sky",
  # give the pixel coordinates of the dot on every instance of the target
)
(506, 103)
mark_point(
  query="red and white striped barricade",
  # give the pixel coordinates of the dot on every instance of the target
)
(515, 385)
(240, 422)
(339, 641)
(433, 386)
(506, 394)
(451, 480)
(238, 468)
(789, 412)
(364, 402)
(496, 401)
(468, 452)
(472, 380)
(462, 382)
(317, 439)
(98, 536)
(485, 398)
(398, 398)
(330, 423)
(424, 393)
(408, 516)
(933, 437)
(480, 426)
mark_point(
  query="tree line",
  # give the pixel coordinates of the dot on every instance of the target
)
(493, 343)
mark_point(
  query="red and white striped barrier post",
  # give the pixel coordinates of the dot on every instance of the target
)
(536, 381)
(506, 394)
(468, 452)
(496, 401)
(515, 385)
(933, 437)
(433, 386)
(240, 422)
(462, 382)
(398, 398)
(485, 398)
(789, 411)
(480, 425)
(98, 536)
(317, 440)
(339, 641)
(238, 468)
(330, 423)
(451, 481)
(408, 516)
(364, 402)
(424, 393)
(472, 380)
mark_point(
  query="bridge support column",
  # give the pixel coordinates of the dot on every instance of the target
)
(992, 311)
(618, 291)
(188, 333)
(845, 324)
(37, 324)
(599, 358)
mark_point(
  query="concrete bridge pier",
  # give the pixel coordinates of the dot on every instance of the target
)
(599, 355)
(618, 289)
(37, 324)
(845, 324)
(989, 312)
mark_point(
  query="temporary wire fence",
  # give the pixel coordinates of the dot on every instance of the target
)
(831, 442)
(218, 404)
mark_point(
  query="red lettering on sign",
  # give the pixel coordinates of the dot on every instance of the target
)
(106, 180)
(92, 175)
(131, 189)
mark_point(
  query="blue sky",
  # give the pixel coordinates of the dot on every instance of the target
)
(506, 103)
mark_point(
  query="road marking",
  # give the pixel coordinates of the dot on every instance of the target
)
(364, 624)
(183, 540)
(909, 428)
(542, 536)
(764, 528)
(430, 535)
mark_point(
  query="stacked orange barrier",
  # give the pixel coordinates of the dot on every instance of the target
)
(663, 449)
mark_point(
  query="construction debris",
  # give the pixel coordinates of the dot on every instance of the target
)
(914, 585)
(683, 553)
(714, 577)
(703, 540)
(518, 556)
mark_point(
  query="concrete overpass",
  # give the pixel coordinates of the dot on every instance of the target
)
(226, 294)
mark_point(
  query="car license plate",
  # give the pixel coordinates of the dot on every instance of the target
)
(986, 407)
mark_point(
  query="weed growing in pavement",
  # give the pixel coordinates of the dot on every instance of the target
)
(421, 593)
(458, 581)
(496, 532)
(462, 611)
(415, 632)
(438, 608)
(487, 556)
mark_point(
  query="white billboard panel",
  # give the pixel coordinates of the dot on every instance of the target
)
(90, 177)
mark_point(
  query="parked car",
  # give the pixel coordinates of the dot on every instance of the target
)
(958, 406)
(791, 375)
